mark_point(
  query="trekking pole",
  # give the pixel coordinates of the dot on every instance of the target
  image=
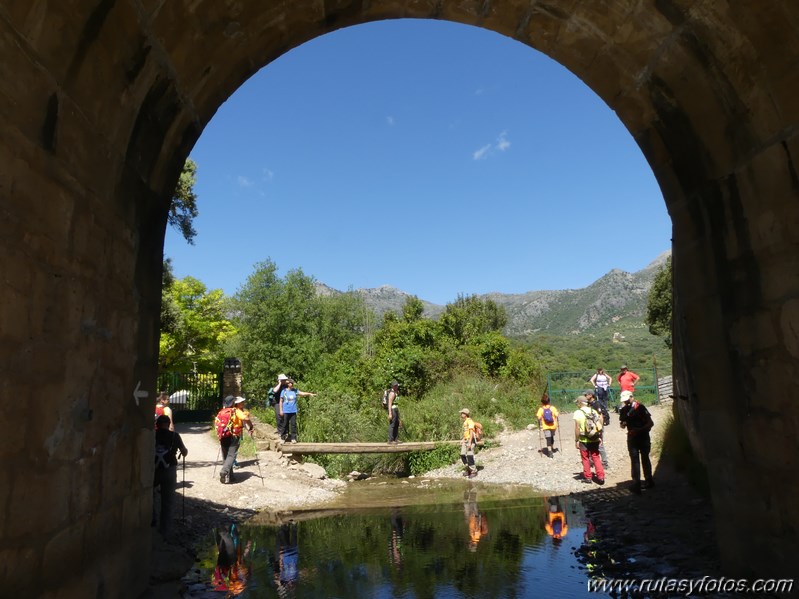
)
(218, 453)
(257, 461)
(183, 517)
(560, 439)
(540, 450)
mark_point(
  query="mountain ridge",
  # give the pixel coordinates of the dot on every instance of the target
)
(615, 296)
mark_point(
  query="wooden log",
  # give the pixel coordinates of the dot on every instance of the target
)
(309, 448)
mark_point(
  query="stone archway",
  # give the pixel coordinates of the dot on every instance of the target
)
(101, 101)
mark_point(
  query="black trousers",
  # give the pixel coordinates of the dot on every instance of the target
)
(393, 424)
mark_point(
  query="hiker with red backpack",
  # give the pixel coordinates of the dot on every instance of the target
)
(547, 416)
(230, 423)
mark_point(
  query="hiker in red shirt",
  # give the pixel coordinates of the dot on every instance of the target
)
(627, 379)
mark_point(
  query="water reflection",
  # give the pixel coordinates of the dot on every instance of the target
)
(439, 550)
(232, 564)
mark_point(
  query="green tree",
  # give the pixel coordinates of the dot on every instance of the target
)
(469, 317)
(194, 327)
(412, 309)
(183, 208)
(284, 326)
(659, 304)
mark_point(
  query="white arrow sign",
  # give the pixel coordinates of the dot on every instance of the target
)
(139, 393)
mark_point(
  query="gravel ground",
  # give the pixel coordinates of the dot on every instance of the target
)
(667, 531)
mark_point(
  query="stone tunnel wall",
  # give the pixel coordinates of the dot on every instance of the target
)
(100, 103)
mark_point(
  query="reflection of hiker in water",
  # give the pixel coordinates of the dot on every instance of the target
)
(395, 543)
(477, 521)
(555, 525)
(288, 557)
(231, 570)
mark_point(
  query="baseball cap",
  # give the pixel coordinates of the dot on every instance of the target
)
(228, 401)
(465, 411)
(581, 400)
(625, 396)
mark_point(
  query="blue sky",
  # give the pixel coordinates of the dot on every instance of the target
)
(433, 157)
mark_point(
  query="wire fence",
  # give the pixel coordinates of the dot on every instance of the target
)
(564, 387)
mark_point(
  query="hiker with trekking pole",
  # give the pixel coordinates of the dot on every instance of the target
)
(547, 417)
(230, 423)
(165, 475)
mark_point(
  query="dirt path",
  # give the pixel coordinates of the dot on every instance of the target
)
(673, 520)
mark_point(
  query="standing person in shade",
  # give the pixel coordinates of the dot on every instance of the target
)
(634, 416)
(627, 379)
(588, 447)
(601, 383)
(547, 416)
(288, 408)
(165, 476)
(468, 441)
(593, 402)
(162, 409)
(230, 423)
(273, 397)
(393, 413)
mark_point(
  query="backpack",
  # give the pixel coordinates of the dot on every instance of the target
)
(225, 423)
(593, 425)
(549, 419)
(384, 400)
(162, 453)
(478, 431)
(271, 397)
(159, 411)
(557, 526)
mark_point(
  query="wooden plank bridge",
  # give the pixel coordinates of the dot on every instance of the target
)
(310, 448)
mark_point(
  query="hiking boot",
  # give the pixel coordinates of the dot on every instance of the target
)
(222, 479)
(473, 473)
(294, 440)
(586, 481)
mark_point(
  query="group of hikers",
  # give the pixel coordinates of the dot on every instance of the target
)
(590, 418)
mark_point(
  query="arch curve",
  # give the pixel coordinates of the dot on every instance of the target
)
(101, 103)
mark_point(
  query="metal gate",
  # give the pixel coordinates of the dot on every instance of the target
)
(193, 396)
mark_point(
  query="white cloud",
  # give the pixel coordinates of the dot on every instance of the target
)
(502, 141)
(487, 150)
(268, 174)
(390, 120)
(482, 152)
(244, 181)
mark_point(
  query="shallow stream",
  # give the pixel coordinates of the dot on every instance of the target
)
(411, 538)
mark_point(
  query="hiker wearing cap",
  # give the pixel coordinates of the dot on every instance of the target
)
(634, 417)
(165, 475)
(273, 397)
(585, 442)
(230, 423)
(594, 403)
(627, 379)
(288, 409)
(547, 417)
(162, 408)
(393, 412)
(468, 441)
